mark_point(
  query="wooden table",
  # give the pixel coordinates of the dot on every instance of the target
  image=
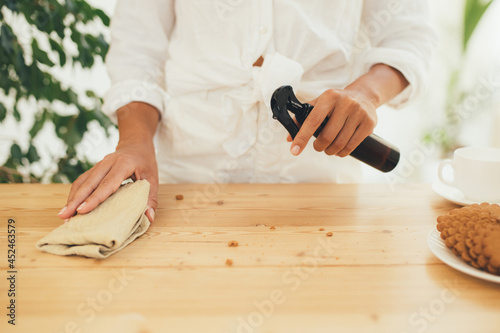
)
(375, 274)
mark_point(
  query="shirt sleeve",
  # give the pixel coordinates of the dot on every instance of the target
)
(401, 36)
(138, 51)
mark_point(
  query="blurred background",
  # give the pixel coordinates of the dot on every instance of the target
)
(52, 129)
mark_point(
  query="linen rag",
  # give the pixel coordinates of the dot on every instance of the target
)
(107, 229)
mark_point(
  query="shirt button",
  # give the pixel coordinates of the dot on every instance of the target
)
(263, 29)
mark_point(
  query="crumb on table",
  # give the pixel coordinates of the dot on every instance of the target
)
(233, 243)
(220, 202)
(229, 262)
(272, 227)
(179, 197)
(321, 229)
(329, 234)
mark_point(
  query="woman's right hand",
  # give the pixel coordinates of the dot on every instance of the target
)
(134, 158)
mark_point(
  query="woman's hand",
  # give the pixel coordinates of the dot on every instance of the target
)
(352, 112)
(352, 118)
(134, 158)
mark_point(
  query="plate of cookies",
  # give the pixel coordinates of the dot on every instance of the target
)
(468, 239)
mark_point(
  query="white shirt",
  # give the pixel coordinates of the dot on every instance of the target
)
(192, 60)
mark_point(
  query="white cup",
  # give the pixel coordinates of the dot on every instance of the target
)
(476, 173)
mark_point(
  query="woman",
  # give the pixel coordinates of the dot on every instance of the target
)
(198, 77)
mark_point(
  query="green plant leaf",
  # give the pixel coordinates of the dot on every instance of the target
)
(13, 5)
(40, 55)
(60, 51)
(69, 129)
(41, 17)
(58, 20)
(56, 178)
(16, 113)
(6, 39)
(32, 154)
(73, 97)
(22, 70)
(38, 124)
(474, 10)
(104, 46)
(90, 93)
(104, 18)
(3, 112)
(16, 153)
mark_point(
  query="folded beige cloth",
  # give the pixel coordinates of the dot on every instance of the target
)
(111, 226)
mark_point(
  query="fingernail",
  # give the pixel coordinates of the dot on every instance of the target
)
(152, 213)
(295, 150)
(62, 210)
(81, 206)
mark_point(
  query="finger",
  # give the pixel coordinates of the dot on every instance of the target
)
(80, 190)
(153, 191)
(109, 184)
(343, 137)
(85, 186)
(289, 137)
(310, 125)
(361, 133)
(152, 199)
(332, 128)
(64, 213)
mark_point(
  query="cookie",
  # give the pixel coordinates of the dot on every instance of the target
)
(473, 233)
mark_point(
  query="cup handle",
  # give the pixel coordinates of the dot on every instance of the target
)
(440, 173)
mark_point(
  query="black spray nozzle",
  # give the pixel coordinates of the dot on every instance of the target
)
(284, 101)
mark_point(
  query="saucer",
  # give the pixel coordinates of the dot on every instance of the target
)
(452, 194)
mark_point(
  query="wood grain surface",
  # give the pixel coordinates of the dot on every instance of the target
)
(374, 274)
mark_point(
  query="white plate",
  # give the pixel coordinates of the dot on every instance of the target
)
(440, 250)
(452, 194)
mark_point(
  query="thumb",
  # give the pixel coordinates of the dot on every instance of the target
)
(152, 201)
